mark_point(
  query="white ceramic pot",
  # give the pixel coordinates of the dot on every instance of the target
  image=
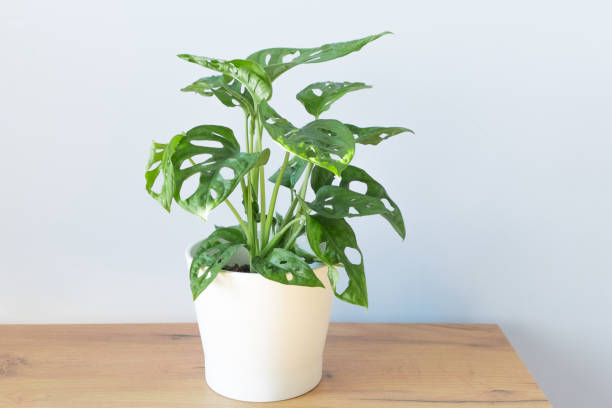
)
(263, 341)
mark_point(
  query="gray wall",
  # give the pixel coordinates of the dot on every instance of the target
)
(505, 188)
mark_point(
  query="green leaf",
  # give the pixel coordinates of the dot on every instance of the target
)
(214, 187)
(212, 255)
(375, 135)
(230, 93)
(318, 97)
(293, 172)
(160, 163)
(249, 73)
(286, 267)
(325, 142)
(338, 236)
(278, 60)
(340, 201)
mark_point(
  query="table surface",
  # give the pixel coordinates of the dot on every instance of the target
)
(160, 365)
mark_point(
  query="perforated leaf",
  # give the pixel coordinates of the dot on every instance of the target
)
(249, 73)
(341, 201)
(293, 172)
(325, 142)
(278, 60)
(286, 267)
(329, 239)
(230, 93)
(374, 135)
(160, 164)
(214, 186)
(318, 97)
(212, 255)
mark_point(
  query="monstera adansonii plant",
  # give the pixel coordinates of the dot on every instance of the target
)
(317, 154)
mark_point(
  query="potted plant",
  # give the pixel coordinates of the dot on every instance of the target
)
(262, 301)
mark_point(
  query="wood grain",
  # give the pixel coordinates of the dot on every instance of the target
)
(160, 365)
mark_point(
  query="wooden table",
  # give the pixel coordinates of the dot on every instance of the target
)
(160, 365)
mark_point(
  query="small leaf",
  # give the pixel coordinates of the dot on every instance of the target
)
(318, 97)
(286, 267)
(325, 142)
(337, 235)
(160, 163)
(230, 93)
(375, 135)
(212, 255)
(274, 60)
(293, 172)
(249, 73)
(338, 201)
(213, 187)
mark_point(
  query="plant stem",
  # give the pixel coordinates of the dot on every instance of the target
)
(246, 133)
(233, 209)
(262, 183)
(302, 193)
(293, 237)
(295, 200)
(278, 236)
(270, 217)
(251, 227)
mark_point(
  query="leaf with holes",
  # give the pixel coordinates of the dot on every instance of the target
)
(293, 172)
(249, 73)
(329, 239)
(230, 93)
(214, 186)
(278, 60)
(325, 142)
(318, 97)
(286, 267)
(160, 163)
(212, 255)
(341, 201)
(376, 134)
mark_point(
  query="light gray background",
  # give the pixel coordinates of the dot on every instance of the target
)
(505, 189)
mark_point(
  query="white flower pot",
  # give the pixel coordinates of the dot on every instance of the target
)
(263, 341)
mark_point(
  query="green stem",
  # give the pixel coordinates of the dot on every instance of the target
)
(233, 209)
(293, 237)
(295, 200)
(268, 225)
(278, 236)
(246, 133)
(302, 194)
(262, 183)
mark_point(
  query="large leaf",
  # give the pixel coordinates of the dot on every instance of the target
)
(329, 239)
(318, 97)
(293, 172)
(212, 255)
(278, 60)
(160, 163)
(327, 143)
(230, 93)
(340, 201)
(286, 267)
(214, 187)
(376, 134)
(249, 73)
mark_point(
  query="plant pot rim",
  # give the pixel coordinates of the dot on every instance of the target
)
(191, 249)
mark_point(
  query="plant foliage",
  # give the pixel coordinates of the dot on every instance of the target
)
(317, 155)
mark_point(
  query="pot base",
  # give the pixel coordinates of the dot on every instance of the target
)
(279, 391)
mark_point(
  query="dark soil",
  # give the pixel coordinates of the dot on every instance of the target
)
(237, 268)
